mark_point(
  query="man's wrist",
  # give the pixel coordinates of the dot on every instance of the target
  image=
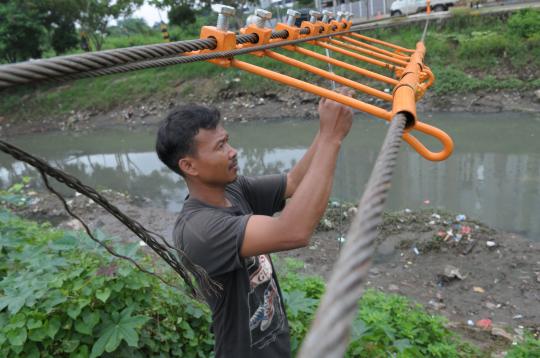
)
(330, 140)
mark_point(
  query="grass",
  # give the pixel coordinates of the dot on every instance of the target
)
(467, 53)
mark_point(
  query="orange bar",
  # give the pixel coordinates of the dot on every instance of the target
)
(346, 66)
(405, 102)
(384, 43)
(368, 52)
(316, 90)
(357, 56)
(330, 76)
(446, 141)
(374, 48)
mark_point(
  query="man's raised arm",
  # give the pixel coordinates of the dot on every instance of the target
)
(294, 227)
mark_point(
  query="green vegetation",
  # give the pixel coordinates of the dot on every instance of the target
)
(467, 53)
(62, 295)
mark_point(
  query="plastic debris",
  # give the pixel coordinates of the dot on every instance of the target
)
(478, 289)
(341, 239)
(461, 217)
(436, 216)
(466, 230)
(491, 243)
(458, 237)
(518, 316)
(500, 332)
(408, 211)
(436, 305)
(470, 322)
(452, 272)
(427, 202)
(485, 323)
(415, 249)
(432, 222)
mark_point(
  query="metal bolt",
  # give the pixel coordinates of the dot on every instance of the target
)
(327, 15)
(224, 12)
(292, 15)
(314, 16)
(349, 16)
(340, 15)
(263, 16)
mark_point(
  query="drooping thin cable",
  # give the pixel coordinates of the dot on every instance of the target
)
(171, 255)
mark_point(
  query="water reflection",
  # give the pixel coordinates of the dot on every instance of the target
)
(491, 177)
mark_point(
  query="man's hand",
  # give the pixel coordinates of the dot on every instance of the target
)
(335, 118)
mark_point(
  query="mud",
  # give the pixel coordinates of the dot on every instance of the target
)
(454, 266)
(241, 106)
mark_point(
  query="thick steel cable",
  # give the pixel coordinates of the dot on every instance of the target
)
(123, 60)
(329, 334)
(171, 255)
(330, 331)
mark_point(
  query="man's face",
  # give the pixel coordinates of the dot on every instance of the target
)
(214, 161)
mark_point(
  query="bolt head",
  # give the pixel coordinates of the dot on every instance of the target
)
(293, 13)
(340, 14)
(224, 10)
(263, 14)
(314, 13)
(328, 13)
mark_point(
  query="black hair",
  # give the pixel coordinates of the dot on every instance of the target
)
(175, 136)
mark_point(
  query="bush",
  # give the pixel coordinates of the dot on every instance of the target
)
(525, 23)
(60, 295)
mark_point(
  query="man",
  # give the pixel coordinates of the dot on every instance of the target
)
(227, 225)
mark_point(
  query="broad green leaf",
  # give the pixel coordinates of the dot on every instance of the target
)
(33, 323)
(103, 295)
(14, 304)
(69, 345)
(17, 337)
(402, 344)
(74, 311)
(83, 328)
(53, 326)
(37, 335)
(115, 338)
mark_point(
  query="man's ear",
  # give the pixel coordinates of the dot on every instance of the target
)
(187, 166)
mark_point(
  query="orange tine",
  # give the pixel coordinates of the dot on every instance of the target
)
(380, 42)
(357, 56)
(308, 87)
(331, 76)
(374, 48)
(347, 66)
(368, 52)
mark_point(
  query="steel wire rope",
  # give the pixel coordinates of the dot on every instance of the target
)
(134, 58)
(330, 331)
(176, 258)
(328, 336)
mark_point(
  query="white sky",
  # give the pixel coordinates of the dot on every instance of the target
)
(150, 14)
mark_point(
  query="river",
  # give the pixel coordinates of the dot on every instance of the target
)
(493, 175)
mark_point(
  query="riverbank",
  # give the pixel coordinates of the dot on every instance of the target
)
(238, 106)
(454, 266)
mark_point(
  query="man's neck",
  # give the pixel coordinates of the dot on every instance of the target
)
(212, 195)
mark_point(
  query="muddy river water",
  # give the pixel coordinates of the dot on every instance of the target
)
(493, 175)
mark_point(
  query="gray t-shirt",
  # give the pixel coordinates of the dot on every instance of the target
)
(248, 315)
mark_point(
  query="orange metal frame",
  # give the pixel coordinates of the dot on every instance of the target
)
(414, 78)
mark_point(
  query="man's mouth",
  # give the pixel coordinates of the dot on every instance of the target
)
(234, 165)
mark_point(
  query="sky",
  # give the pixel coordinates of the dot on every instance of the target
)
(150, 14)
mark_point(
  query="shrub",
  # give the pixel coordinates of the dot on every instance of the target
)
(60, 295)
(525, 23)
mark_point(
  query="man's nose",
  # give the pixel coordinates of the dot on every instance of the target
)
(232, 152)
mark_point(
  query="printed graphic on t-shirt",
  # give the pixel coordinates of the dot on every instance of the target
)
(265, 310)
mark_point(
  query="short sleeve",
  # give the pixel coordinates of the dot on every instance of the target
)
(266, 193)
(212, 239)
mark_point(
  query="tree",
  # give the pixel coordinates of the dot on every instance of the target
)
(95, 15)
(21, 31)
(182, 15)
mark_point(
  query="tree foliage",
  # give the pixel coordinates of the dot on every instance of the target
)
(21, 31)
